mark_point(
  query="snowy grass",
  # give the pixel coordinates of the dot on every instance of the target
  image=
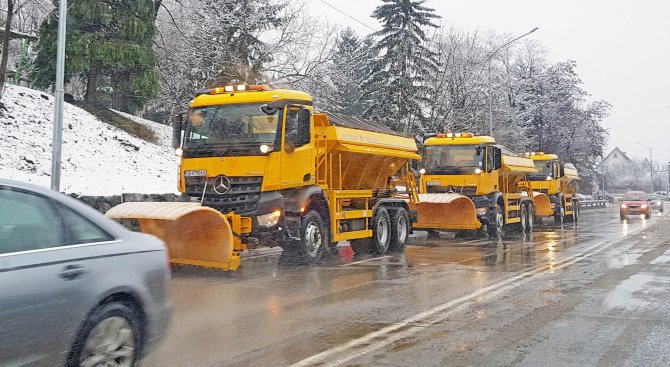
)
(98, 159)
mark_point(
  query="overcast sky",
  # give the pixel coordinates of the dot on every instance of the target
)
(622, 49)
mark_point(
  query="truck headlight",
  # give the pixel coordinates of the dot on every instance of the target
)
(270, 219)
(482, 211)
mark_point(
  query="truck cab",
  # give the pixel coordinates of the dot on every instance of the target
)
(462, 165)
(553, 189)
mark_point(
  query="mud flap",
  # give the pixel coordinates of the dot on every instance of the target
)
(542, 205)
(194, 234)
(446, 212)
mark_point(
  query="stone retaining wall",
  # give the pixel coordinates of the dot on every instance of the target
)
(104, 203)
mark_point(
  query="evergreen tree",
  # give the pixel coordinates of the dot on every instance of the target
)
(108, 45)
(404, 63)
(348, 69)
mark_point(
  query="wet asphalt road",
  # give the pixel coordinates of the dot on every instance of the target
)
(592, 295)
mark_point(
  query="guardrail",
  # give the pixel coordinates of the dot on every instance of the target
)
(592, 203)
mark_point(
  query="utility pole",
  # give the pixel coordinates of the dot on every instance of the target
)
(490, 87)
(56, 144)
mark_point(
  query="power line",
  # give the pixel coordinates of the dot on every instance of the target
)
(349, 16)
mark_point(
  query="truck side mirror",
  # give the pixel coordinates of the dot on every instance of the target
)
(177, 127)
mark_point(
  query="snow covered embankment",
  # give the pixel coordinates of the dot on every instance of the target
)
(98, 159)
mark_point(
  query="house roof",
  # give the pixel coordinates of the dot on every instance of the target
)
(617, 150)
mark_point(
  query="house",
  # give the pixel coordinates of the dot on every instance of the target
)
(620, 172)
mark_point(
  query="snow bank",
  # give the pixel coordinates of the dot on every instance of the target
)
(98, 159)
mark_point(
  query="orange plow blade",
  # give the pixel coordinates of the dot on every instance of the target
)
(194, 234)
(542, 205)
(446, 212)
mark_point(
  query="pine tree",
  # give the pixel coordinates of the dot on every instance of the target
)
(348, 69)
(109, 45)
(404, 63)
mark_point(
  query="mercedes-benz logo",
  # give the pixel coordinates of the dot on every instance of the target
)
(221, 185)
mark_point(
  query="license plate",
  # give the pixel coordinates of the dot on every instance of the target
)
(195, 173)
(433, 183)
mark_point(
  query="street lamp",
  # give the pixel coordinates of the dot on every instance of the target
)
(490, 88)
(58, 98)
(651, 167)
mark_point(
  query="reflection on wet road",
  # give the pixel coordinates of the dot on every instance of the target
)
(389, 310)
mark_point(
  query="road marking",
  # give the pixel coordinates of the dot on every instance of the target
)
(362, 261)
(412, 325)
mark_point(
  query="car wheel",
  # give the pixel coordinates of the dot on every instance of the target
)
(112, 336)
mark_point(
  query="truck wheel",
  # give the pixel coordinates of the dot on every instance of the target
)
(559, 216)
(523, 218)
(575, 211)
(314, 238)
(399, 230)
(497, 224)
(531, 218)
(381, 232)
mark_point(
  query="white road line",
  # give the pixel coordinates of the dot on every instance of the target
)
(418, 322)
(366, 260)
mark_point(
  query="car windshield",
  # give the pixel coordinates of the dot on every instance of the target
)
(229, 125)
(453, 156)
(635, 197)
(653, 197)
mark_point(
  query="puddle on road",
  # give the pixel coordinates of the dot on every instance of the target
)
(663, 259)
(542, 246)
(616, 260)
(639, 291)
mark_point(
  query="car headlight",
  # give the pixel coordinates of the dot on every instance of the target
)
(482, 211)
(270, 219)
(624, 206)
(658, 203)
(643, 206)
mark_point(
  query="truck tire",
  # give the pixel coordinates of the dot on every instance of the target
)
(531, 218)
(575, 211)
(381, 232)
(399, 229)
(523, 218)
(314, 239)
(360, 246)
(497, 223)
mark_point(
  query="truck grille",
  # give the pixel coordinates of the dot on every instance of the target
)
(241, 198)
(462, 190)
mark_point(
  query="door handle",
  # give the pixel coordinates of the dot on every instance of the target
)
(72, 272)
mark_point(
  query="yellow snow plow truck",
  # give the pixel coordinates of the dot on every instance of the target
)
(553, 189)
(470, 183)
(266, 169)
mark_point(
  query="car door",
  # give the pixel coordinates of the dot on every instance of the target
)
(43, 279)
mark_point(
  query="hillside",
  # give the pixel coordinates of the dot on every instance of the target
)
(98, 159)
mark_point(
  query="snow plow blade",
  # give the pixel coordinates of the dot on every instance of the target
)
(194, 234)
(446, 212)
(542, 205)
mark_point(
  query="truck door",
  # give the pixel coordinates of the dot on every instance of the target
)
(297, 156)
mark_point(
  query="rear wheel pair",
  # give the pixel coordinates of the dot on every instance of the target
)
(389, 232)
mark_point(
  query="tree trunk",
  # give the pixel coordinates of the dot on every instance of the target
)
(5, 46)
(92, 84)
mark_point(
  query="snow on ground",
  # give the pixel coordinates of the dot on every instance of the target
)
(97, 159)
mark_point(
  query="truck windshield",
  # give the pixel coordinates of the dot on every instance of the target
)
(440, 157)
(229, 125)
(543, 171)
